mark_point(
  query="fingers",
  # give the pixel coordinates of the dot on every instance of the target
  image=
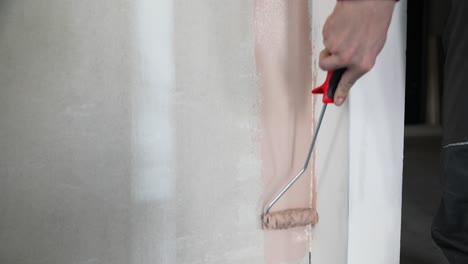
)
(356, 68)
(353, 36)
(348, 79)
(331, 61)
(328, 61)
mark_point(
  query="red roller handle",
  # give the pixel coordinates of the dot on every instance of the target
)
(328, 88)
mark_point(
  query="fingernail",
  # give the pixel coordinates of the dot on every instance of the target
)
(339, 101)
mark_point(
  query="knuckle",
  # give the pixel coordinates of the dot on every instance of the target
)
(322, 65)
(330, 45)
(333, 49)
(346, 56)
(366, 65)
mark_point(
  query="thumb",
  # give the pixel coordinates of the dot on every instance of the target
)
(350, 76)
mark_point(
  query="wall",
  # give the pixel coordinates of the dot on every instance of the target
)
(65, 152)
(376, 153)
(127, 133)
(215, 113)
(130, 132)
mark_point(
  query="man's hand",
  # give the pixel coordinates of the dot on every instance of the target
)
(353, 35)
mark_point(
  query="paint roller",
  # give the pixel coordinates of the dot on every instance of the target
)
(296, 217)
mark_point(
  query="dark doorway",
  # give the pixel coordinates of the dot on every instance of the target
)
(424, 82)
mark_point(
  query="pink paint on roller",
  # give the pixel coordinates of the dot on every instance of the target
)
(283, 52)
(290, 218)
